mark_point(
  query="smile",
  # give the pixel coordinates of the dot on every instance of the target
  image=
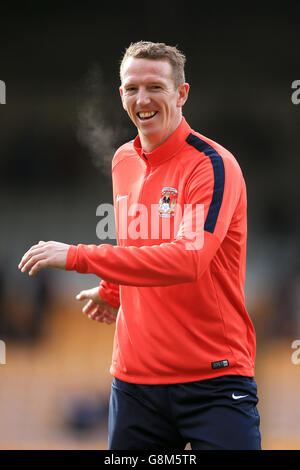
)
(146, 115)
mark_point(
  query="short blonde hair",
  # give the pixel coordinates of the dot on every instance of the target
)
(157, 51)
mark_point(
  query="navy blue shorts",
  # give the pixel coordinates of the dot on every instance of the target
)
(218, 413)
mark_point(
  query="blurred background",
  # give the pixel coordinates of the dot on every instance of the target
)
(59, 128)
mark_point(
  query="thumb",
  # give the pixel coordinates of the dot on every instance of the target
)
(82, 295)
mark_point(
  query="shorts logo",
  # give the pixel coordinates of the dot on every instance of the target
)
(167, 202)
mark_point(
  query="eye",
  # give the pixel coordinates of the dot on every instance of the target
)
(130, 89)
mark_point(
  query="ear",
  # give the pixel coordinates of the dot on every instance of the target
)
(122, 97)
(183, 92)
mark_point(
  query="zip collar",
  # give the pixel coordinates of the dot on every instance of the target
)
(167, 149)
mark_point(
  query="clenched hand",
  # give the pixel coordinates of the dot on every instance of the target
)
(96, 308)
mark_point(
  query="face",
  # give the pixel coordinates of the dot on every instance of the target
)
(151, 100)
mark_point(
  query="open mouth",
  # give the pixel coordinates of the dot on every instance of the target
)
(146, 115)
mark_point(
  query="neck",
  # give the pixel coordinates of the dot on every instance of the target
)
(151, 142)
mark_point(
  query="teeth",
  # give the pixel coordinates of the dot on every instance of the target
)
(147, 115)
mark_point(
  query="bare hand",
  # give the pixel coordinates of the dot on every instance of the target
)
(44, 255)
(96, 308)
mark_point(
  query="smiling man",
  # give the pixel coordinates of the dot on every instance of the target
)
(184, 347)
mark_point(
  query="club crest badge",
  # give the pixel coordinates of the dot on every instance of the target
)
(167, 202)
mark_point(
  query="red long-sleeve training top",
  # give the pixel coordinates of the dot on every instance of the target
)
(179, 280)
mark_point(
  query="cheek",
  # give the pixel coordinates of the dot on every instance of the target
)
(170, 108)
(127, 106)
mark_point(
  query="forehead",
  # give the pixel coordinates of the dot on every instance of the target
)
(138, 69)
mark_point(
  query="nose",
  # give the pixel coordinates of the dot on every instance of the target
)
(143, 97)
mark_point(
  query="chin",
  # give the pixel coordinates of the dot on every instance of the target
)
(150, 126)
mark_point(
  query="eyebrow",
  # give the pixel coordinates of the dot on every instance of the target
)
(151, 82)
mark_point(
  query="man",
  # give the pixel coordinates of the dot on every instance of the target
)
(184, 347)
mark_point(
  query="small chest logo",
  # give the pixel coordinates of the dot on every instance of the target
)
(167, 202)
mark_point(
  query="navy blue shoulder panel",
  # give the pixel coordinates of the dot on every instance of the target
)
(219, 179)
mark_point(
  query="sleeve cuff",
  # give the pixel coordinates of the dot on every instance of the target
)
(107, 296)
(71, 258)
